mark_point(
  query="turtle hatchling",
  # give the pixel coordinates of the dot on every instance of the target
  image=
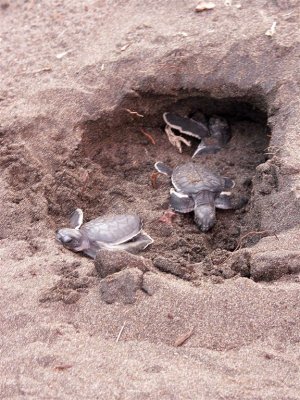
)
(198, 189)
(214, 135)
(119, 232)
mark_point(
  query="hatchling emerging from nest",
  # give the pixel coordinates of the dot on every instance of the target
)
(198, 189)
(214, 134)
(119, 232)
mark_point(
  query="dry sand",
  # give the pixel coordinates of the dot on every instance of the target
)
(80, 82)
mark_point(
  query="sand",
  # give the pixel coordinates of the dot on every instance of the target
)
(212, 316)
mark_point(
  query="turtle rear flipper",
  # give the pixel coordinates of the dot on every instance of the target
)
(181, 202)
(139, 243)
(207, 147)
(186, 125)
(224, 201)
(163, 168)
(76, 218)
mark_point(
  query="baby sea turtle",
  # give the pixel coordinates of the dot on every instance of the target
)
(214, 135)
(119, 232)
(197, 189)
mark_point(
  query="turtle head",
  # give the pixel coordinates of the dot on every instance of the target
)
(72, 239)
(205, 217)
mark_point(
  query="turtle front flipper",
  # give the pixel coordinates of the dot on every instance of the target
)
(180, 202)
(224, 202)
(91, 251)
(219, 129)
(219, 136)
(186, 125)
(138, 244)
(163, 168)
(76, 219)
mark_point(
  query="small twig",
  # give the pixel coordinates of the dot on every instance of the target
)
(45, 69)
(270, 32)
(62, 367)
(205, 5)
(183, 338)
(153, 179)
(36, 71)
(253, 234)
(64, 53)
(120, 333)
(148, 136)
(123, 48)
(134, 112)
(272, 150)
(61, 34)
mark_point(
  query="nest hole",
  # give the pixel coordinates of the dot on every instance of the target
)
(113, 170)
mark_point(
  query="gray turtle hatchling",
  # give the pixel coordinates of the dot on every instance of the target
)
(213, 135)
(119, 232)
(197, 189)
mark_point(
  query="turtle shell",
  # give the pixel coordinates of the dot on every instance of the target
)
(112, 229)
(192, 178)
